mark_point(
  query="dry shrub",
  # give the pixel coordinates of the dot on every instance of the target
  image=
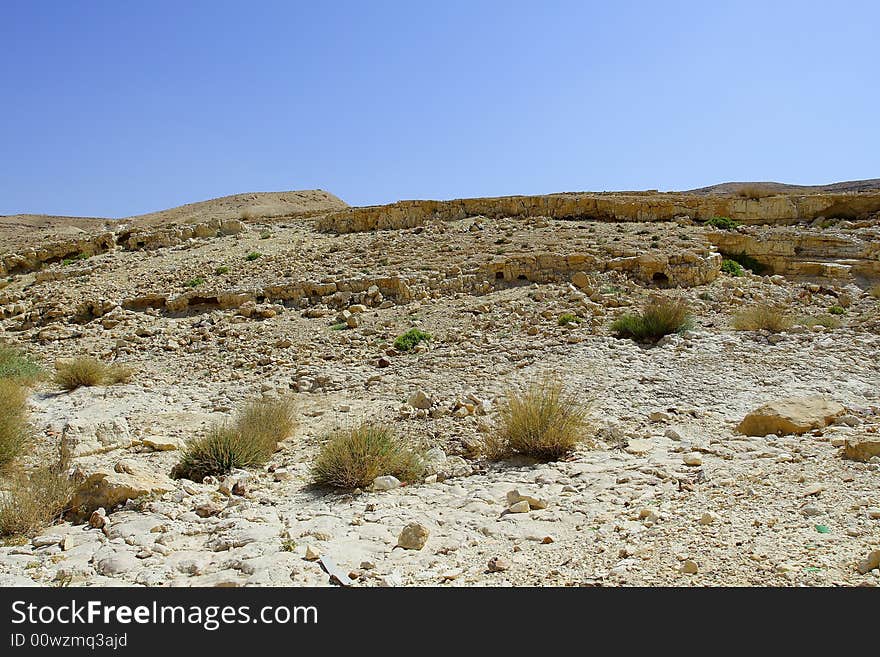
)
(545, 422)
(660, 317)
(267, 421)
(754, 192)
(85, 371)
(14, 429)
(249, 441)
(875, 291)
(353, 458)
(35, 500)
(763, 317)
(828, 321)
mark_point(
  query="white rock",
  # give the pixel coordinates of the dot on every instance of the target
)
(386, 482)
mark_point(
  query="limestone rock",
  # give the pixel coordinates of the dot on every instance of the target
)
(861, 449)
(795, 415)
(109, 488)
(420, 400)
(515, 496)
(413, 537)
(386, 482)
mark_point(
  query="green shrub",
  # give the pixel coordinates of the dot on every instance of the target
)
(747, 261)
(763, 317)
(544, 422)
(568, 318)
(837, 310)
(266, 234)
(732, 267)
(85, 371)
(410, 339)
(14, 364)
(658, 318)
(722, 223)
(253, 255)
(705, 296)
(14, 429)
(195, 282)
(341, 326)
(353, 458)
(221, 270)
(249, 441)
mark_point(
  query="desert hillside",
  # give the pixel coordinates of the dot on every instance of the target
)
(580, 389)
(36, 230)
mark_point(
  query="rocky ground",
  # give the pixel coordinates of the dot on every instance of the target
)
(664, 491)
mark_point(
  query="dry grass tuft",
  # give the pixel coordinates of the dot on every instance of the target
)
(353, 458)
(85, 371)
(875, 291)
(35, 500)
(14, 428)
(545, 422)
(763, 317)
(249, 441)
(660, 317)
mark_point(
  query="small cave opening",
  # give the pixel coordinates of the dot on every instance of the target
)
(499, 275)
(660, 279)
(522, 277)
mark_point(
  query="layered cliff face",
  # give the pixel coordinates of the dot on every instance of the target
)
(775, 229)
(823, 253)
(608, 207)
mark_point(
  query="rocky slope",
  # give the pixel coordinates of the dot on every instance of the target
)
(668, 488)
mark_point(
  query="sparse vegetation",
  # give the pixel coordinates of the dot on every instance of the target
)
(266, 234)
(195, 282)
(14, 430)
(410, 339)
(732, 267)
(353, 458)
(253, 255)
(566, 319)
(545, 422)
(85, 371)
(249, 441)
(221, 270)
(35, 501)
(837, 310)
(875, 291)
(340, 326)
(754, 192)
(747, 262)
(15, 364)
(828, 321)
(658, 318)
(763, 317)
(705, 296)
(722, 223)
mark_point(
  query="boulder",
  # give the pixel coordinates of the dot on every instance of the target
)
(862, 449)
(794, 415)
(108, 488)
(413, 537)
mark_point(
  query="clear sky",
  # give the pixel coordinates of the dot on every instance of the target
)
(118, 108)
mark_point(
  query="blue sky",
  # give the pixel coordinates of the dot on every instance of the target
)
(118, 108)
